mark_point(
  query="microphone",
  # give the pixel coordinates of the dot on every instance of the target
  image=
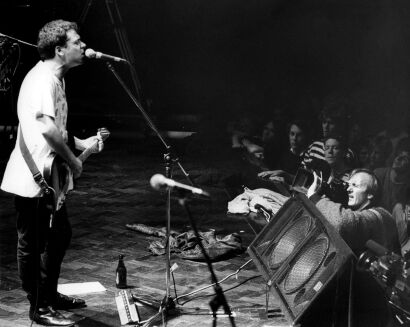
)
(157, 181)
(91, 54)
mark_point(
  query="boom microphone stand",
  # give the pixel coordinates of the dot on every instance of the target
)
(219, 299)
(167, 303)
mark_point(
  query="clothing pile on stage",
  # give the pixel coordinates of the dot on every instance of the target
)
(185, 245)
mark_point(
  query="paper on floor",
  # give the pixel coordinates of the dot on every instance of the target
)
(80, 288)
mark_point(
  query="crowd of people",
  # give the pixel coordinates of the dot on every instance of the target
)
(358, 179)
(286, 146)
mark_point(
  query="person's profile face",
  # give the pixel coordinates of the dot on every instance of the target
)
(73, 49)
(357, 190)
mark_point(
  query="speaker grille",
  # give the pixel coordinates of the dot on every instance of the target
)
(290, 239)
(306, 265)
(298, 253)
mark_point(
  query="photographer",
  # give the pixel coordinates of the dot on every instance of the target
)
(360, 220)
(357, 223)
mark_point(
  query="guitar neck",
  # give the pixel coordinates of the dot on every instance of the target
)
(103, 134)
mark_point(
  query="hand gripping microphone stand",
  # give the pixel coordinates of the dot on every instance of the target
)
(167, 303)
(219, 299)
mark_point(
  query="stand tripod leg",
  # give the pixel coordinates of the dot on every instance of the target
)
(167, 302)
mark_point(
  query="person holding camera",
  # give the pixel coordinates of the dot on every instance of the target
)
(361, 220)
(357, 222)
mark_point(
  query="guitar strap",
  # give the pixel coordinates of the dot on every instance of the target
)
(38, 177)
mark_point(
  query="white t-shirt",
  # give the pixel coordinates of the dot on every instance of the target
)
(41, 93)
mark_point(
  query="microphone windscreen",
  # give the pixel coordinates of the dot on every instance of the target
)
(90, 53)
(157, 181)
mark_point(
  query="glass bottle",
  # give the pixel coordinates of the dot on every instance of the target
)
(121, 273)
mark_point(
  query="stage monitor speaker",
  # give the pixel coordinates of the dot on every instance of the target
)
(298, 253)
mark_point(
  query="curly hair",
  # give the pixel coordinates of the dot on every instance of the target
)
(51, 35)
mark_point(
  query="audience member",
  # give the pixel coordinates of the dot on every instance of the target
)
(395, 186)
(363, 153)
(361, 220)
(335, 155)
(380, 150)
(240, 128)
(357, 223)
(396, 130)
(262, 151)
(333, 168)
(401, 215)
(298, 136)
(334, 118)
(289, 160)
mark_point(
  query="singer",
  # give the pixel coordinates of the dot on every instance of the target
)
(42, 112)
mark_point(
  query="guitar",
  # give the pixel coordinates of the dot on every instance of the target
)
(59, 175)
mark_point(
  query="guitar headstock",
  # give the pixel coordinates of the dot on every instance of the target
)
(103, 133)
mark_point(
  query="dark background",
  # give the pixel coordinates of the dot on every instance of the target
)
(222, 59)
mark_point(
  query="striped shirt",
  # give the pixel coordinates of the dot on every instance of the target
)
(317, 150)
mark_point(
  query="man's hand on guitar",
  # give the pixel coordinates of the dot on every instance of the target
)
(90, 142)
(94, 143)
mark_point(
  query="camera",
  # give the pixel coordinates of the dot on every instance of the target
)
(392, 272)
(335, 190)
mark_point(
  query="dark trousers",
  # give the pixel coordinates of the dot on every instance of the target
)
(40, 249)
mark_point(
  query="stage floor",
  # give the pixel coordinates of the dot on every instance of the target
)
(114, 191)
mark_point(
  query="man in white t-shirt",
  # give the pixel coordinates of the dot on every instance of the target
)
(42, 113)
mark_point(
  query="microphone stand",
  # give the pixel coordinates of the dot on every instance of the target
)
(18, 40)
(167, 303)
(219, 299)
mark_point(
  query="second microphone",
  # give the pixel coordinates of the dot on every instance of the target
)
(159, 181)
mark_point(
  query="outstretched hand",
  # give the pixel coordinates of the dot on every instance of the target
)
(271, 174)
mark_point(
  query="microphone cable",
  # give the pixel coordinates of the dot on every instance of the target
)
(226, 290)
(149, 321)
(211, 285)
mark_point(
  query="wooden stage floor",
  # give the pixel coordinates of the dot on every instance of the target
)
(113, 191)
